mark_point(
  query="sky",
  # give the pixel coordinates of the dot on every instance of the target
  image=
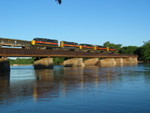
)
(125, 22)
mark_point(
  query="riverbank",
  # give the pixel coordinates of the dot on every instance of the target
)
(20, 64)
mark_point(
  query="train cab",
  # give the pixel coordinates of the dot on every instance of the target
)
(49, 43)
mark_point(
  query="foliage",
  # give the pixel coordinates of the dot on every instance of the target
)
(142, 52)
(116, 46)
(145, 51)
(21, 61)
(58, 60)
(128, 50)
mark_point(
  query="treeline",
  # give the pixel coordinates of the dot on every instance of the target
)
(143, 52)
(21, 61)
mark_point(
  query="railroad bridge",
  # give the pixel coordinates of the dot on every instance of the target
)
(95, 58)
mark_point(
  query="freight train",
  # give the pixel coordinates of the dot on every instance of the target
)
(44, 43)
(53, 44)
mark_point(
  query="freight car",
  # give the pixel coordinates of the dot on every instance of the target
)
(15, 43)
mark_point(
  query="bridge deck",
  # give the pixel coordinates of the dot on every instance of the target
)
(18, 52)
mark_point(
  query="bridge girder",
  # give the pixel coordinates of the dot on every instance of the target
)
(18, 52)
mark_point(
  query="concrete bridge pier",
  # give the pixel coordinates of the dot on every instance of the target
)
(119, 61)
(44, 63)
(91, 62)
(74, 62)
(4, 64)
(107, 62)
(130, 60)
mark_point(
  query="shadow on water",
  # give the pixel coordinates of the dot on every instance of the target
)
(4, 79)
(4, 84)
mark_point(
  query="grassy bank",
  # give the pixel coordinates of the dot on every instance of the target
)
(20, 61)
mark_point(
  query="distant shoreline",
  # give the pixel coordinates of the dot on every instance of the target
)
(20, 64)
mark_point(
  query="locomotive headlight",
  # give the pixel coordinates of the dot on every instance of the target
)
(33, 42)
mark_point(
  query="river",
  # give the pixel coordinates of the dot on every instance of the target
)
(76, 90)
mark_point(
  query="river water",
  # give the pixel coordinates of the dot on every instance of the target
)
(76, 90)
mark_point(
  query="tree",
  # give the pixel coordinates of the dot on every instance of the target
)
(58, 60)
(116, 46)
(59, 1)
(145, 51)
(128, 50)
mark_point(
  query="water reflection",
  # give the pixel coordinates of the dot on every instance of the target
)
(50, 83)
(43, 84)
(53, 83)
(76, 89)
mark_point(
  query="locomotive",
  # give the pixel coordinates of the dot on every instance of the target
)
(43, 43)
(69, 45)
(53, 44)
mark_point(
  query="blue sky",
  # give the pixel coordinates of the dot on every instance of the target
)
(124, 22)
